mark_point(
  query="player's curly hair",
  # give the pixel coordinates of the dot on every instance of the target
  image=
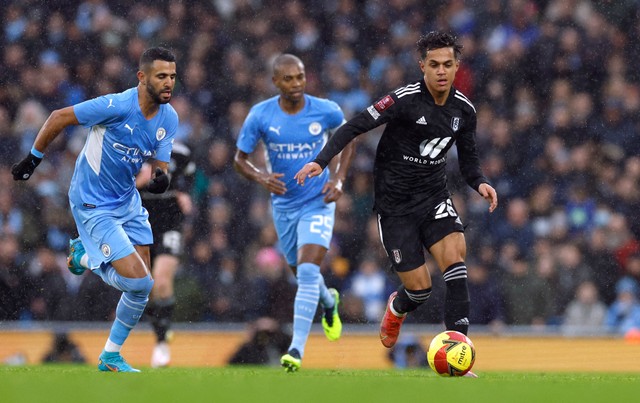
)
(436, 40)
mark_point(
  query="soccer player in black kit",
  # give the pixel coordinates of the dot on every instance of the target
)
(424, 119)
(166, 214)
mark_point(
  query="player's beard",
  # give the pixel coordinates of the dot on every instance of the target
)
(155, 95)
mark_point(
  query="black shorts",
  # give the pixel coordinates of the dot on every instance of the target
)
(167, 243)
(406, 237)
(167, 236)
(166, 223)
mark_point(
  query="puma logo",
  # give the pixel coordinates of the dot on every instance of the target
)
(275, 130)
(111, 105)
(129, 127)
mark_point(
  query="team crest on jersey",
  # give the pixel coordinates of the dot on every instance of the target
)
(455, 124)
(161, 133)
(315, 128)
(106, 250)
(397, 256)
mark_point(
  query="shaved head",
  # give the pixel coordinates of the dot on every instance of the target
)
(286, 59)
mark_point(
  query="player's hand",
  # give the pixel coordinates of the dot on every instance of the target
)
(160, 183)
(309, 170)
(332, 190)
(24, 169)
(489, 194)
(273, 184)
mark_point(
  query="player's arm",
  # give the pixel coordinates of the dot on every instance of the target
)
(161, 179)
(469, 162)
(270, 181)
(364, 121)
(338, 167)
(57, 121)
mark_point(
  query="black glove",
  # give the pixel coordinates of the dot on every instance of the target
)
(160, 183)
(24, 169)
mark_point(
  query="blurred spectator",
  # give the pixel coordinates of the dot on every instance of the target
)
(624, 314)
(273, 287)
(586, 313)
(572, 270)
(484, 291)
(15, 286)
(526, 299)
(369, 283)
(226, 290)
(51, 300)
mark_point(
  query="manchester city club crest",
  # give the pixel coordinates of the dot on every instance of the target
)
(315, 128)
(161, 133)
(106, 250)
(455, 123)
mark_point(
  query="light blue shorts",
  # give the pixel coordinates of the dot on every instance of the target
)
(109, 234)
(311, 224)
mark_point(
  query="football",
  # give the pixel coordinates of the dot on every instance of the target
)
(451, 353)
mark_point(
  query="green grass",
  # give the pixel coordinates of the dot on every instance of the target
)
(83, 383)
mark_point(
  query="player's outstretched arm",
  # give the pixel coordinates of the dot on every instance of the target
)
(339, 168)
(489, 193)
(309, 170)
(55, 123)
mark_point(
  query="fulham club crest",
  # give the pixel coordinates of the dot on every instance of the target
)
(397, 256)
(455, 124)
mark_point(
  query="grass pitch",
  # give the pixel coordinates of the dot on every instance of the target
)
(84, 383)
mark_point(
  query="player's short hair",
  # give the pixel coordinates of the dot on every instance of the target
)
(155, 53)
(437, 40)
(284, 59)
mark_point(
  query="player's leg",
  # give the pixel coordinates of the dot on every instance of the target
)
(402, 243)
(285, 224)
(444, 238)
(165, 255)
(131, 276)
(161, 305)
(108, 238)
(314, 235)
(449, 250)
(305, 237)
(311, 256)
(449, 253)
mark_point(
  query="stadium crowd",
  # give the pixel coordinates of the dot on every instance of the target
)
(557, 96)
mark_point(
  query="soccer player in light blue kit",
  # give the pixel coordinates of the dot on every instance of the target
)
(293, 127)
(126, 129)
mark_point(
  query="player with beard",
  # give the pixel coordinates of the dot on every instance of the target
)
(125, 130)
(415, 211)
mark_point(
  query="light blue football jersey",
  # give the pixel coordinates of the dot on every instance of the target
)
(120, 139)
(291, 141)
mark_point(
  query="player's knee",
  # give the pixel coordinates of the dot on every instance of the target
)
(141, 286)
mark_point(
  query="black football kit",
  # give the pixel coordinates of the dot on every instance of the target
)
(165, 215)
(409, 170)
